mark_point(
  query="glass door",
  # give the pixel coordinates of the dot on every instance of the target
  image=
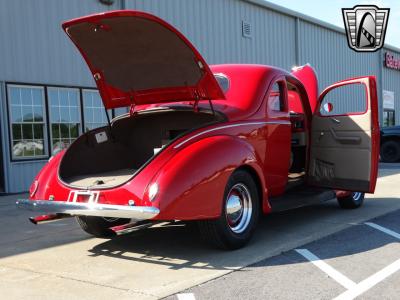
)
(388, 118)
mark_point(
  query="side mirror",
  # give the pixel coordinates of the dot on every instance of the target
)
(328, 107)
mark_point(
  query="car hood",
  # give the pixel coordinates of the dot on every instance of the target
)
(137, 58)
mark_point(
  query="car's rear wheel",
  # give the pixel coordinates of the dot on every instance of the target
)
(99, 226)
(390, 151)
(354, 200)
(240, 210)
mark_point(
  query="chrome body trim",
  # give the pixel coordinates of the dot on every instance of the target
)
(229, 126)
(136, 213)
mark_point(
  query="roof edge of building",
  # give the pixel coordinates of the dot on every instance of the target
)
(295, 14)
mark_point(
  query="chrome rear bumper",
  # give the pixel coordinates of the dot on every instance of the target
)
(137, 213)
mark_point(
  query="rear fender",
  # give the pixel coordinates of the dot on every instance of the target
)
(47, 178)
(192, 184)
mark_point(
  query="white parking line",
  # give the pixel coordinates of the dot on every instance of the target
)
(186, 296)
(371, 281)
(336, 275)
(354, 290)
(385, 230)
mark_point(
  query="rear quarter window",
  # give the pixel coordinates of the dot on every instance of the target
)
(223, 82)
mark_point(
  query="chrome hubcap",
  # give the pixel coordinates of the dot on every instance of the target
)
(238, 208)
(357, 196)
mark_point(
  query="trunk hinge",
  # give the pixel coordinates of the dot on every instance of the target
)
(109, 124)
(133, 106)
(212, 106)
(132, 109)
(210, 102)
(196, 101)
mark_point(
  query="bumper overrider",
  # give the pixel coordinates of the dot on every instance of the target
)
(136, 213)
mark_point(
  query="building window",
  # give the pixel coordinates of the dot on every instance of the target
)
(27, 121)
(65, 118)
(93, 109)
(29, 138)
(388, 118)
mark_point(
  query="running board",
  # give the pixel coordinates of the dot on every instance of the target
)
(301, 197)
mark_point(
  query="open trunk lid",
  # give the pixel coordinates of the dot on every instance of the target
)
(137, 58)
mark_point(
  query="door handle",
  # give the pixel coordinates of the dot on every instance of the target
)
(345, 139)
(335, 120)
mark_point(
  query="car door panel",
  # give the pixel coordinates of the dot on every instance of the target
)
(343, 147)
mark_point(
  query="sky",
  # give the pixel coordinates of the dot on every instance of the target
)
(330, 11)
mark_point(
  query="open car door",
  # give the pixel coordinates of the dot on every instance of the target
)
(345, 145)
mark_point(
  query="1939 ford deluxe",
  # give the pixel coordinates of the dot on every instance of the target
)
(218, 144)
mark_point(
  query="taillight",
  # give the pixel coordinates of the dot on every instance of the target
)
(153, 190)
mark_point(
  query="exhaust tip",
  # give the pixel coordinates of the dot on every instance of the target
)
(33, 221)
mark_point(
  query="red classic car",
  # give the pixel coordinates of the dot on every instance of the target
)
(214, 144)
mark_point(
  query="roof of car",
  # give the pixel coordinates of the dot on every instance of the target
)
(248, 84)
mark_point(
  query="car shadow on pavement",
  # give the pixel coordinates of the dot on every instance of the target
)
(18, 235)
(178, 246)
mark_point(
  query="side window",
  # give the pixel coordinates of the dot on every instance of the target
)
(344, 100)
(276, 99)
(223, 81)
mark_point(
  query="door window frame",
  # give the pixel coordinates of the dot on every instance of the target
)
(338, 85)
(272, 113)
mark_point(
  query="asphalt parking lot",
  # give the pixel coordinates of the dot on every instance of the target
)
(318, 252)
(360, 260)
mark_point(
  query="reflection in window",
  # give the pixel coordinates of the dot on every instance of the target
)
(64, 117)
(27, 115)
(93, 110)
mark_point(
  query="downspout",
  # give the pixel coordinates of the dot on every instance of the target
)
(123, 4)
(380, 86)
(296, 42)
(5, 138)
